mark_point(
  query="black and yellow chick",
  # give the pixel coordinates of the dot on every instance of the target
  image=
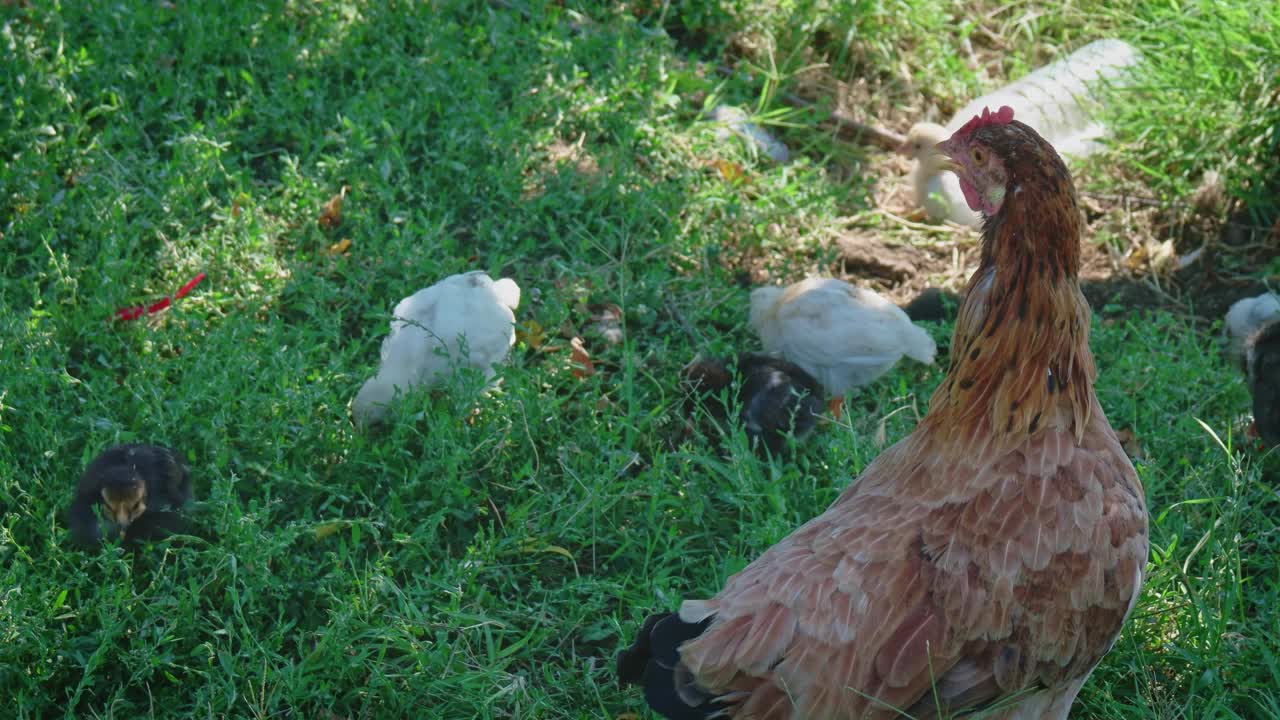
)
(1262, 353)
(775, 397)
(131, 482)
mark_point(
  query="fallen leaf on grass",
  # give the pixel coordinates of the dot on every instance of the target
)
(532, 546)
(1129, 441)
(531, 334)
(731, 171)
(324, 530)
(606, 320)
(551, 549)
(882, 434)
(1158, 257)
(581, 359)
(331, 214)
(340, 248)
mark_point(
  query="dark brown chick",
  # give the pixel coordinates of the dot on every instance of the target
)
(775, 397)
(128, 481)
(933, 304)
(1262, 351)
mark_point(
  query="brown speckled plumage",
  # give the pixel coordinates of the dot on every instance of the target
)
(988, 558)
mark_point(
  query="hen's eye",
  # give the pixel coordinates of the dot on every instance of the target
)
(979, 156)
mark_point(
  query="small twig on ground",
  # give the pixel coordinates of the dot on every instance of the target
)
(850, 128)
(925, 227)
(845, 126)
(698, 339)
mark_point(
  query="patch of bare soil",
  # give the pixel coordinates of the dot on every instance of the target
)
(1154, 257)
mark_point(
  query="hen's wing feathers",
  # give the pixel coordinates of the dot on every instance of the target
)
(907, 585)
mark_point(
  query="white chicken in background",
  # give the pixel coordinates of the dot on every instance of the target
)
(842, 335)
(1245, 318)
(465, 320)
(1057, 100)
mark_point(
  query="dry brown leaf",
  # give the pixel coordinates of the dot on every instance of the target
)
(331, 214)
(531, 334)
(606, 319)
(581, 359)
(324, 530)
(1137, 260)
(340, 247)
(731, 171)
(1129, 441)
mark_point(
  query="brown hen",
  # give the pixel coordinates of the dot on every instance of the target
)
(988, 560)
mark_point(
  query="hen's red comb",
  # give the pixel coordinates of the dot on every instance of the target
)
(1003, 116)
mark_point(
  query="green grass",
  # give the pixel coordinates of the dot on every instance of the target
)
(489, 568)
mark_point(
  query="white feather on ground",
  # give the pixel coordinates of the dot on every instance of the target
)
(1058, 100)
(1245, 318)
(842, 335)
(465, 320)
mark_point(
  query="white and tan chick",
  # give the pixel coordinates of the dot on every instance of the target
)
(842, 335)
(465, 320)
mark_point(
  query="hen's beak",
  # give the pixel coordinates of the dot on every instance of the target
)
(945, 150)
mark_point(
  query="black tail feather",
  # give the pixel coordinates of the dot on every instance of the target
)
(653, 662)
(632, 661)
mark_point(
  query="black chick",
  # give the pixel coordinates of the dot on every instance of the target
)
(129, 481)
(932, 304)
(1262, 352)
(775, 397)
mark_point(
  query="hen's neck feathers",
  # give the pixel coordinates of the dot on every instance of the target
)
(1020, 357)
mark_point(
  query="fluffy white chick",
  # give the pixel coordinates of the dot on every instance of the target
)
(842, 335)
(934, 188)
(468, 315)
(1245, 317)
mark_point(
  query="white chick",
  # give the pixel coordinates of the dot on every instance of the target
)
(934, 188)
(842, 335)
(1057, 100)
(465, 320)
(1245, 317)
